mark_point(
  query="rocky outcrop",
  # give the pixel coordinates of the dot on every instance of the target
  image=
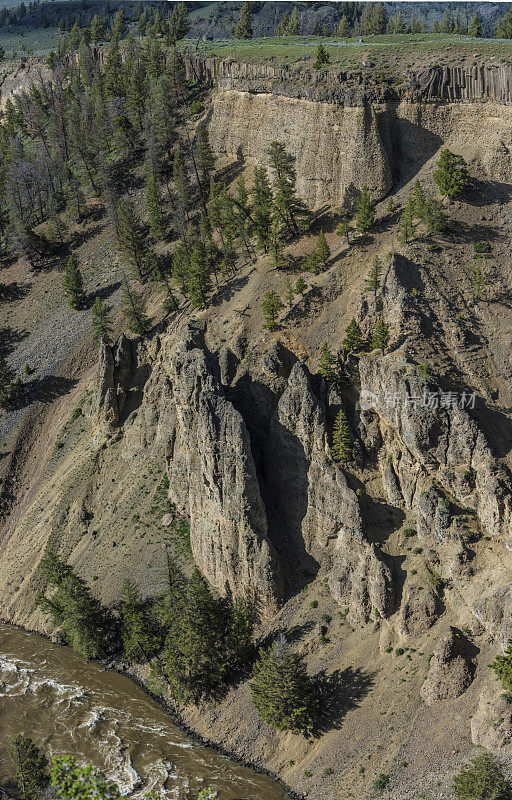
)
(491, 724)
(431, 438)
(419, 608)
(450, 672)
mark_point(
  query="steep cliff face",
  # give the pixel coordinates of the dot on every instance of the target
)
(347, 132)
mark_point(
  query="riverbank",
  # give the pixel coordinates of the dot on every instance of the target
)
(104, 728)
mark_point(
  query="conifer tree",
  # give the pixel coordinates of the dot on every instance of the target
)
(101, 324)
(293, 25)
(373, 279)
(205, 157)
(133, 309)
(300, 286)
(451, 175)
(483, 778)
(327, 364)
(195, 660)
(162, 105)
(365, 216)
(282, 691)
(341, 440)
(322, 249)
(502, 666)
(380, 338)
(343, 229)
(407, 226)
(288, 208)
(271, 306)
(97, 29)
(7, 376)
(198, 282)
(322, 57)
(354, 341)
(130, 236)
(30, 767)
(343, 28)
(73, 608)
(74, 285)
(475, 26)
(262, 199)
(432, 216)
(243, 28)
(179, 24)
(140, 633)
(181, 181)
(154, 206)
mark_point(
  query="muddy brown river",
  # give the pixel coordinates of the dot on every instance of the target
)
(69, 706)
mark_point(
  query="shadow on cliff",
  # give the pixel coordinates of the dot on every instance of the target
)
(282, 471)
(409, 146)
(339, 693)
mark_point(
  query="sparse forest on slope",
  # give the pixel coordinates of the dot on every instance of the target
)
(255, 390)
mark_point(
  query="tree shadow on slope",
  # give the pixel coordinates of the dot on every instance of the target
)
(339, 693)
(9, 338)
(45, 390)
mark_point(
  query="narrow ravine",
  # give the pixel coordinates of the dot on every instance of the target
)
(69, 706)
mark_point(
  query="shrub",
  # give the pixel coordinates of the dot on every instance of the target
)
(380, 783)
(502, 666)
(482, 779)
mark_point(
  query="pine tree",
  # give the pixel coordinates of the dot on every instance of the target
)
(195, 658)
(97, 29)
(7, 376)
(417, 199)
(282, 691)
(432, 215)
(181, 181)
(134, 311)
(354, 341)
(380, 338)
(30, 767)
(101, 324)
(243, 28)
(344, 229)
(451, 175)
(288, 208)
(341, 440)
(322, 57)
(74, 285)
(179, 24)
(293, 25)
(475, 26)
(300, 286)
(373, 279)
(198, 283)
(130, 236)
(271, 306)
(343, 28)
(262, 199)
(85, 624)
(154, 206)
(140, 633)
(205, 157)
(323, 249)
(407, 226)
(240, 631)
(327, 364)
(365, 216)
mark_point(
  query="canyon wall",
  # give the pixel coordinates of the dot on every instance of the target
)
(347, 132)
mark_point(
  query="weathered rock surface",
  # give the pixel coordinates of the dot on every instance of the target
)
(450, 672)
(491, 724)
